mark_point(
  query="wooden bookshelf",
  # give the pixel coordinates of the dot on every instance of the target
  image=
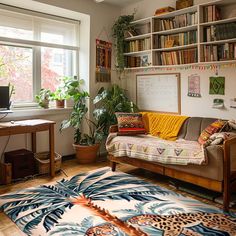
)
(217, 15)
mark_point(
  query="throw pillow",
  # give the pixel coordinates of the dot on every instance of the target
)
(130, 123)
(209, 130)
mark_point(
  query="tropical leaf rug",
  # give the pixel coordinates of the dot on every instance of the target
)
(103, 203)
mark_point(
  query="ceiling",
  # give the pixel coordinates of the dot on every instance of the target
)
(120, 3)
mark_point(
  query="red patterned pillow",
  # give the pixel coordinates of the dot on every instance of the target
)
(209, 130)
(130, 123)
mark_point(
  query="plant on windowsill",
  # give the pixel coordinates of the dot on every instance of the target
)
(109, 101)
(43, 97)
(59, 96)
(122, 24)
(85, 144)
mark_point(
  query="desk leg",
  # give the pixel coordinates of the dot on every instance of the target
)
(51, 149)
(33, 142)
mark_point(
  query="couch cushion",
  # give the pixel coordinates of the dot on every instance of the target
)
(194, 127)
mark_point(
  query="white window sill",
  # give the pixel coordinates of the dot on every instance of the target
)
(35, 112)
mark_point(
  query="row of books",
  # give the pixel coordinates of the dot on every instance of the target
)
(138, 45)
(179, 57)
(180, 39)
(222, 52)
(211, 13)
(220, 32)
(179, 21)
(139, 61)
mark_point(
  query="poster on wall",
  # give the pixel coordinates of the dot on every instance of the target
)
(194, 86)
(103, 61)
(217, 85)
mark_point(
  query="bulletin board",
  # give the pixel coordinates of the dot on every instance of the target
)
(159, 92)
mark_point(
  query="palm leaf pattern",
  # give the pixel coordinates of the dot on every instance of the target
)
(47, 203)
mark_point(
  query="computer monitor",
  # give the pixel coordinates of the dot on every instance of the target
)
(4, 98)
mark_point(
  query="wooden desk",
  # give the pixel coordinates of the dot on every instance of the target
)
(32, 126)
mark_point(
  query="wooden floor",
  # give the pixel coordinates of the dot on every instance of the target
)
(71, 167)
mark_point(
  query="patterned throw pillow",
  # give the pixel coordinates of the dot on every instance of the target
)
(209, 130)
(130, 123)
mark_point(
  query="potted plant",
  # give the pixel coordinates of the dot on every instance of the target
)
(43, 97)
(85, 144)
(59, 96)
(119, 28)
(108, 102)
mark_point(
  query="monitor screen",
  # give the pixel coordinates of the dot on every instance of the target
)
(4, 97)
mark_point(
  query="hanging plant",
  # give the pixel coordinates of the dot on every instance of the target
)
(122, 24)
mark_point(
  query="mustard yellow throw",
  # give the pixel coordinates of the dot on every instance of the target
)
(165, 126)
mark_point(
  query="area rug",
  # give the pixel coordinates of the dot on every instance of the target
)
(103, 203)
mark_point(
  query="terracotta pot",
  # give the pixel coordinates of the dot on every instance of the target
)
(60, 103)
(86, 154)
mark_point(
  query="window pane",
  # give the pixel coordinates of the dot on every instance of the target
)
(16, 68)
(56, 63)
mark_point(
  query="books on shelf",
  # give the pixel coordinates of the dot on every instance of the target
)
(211, 13)
(138, 45)
(221, 52)
(179, 57)
(139, 61)
(220, 32)
(178, 21)
(180, 39)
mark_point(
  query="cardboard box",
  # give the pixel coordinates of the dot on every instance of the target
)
(180, 4)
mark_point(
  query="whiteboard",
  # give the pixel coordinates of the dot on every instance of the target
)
(159, 92)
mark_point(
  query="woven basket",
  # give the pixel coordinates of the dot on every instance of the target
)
(43, 162)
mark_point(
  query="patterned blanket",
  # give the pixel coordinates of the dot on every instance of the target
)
(105, 203)
(147, 147)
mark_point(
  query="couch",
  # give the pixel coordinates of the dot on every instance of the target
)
(219, 174)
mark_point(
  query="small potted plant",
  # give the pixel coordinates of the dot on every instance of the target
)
(59, 96)
(85, 144)
(43, 98)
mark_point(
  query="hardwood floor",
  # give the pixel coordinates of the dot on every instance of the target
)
(71, 167)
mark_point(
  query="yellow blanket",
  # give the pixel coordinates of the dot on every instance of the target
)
(164, 126)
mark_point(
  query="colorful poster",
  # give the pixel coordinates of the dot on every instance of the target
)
(194, 86)
(217, 85)
(103, 61)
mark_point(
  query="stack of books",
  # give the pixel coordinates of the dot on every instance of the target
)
(138, 45)
(179, 57)
(211, 13)
(220, 32)
(179, 21)
(180, 39)
(221, 52)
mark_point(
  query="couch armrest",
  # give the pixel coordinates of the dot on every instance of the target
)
(113, 129)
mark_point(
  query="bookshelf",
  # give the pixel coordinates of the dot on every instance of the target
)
(201, 34)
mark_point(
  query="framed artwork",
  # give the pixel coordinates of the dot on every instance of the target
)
(217, 85)
(103, 61)
(194, 86)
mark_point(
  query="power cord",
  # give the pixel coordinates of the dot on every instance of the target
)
(4, 149)
(4, 116)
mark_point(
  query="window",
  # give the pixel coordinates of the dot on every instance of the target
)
(36, 50)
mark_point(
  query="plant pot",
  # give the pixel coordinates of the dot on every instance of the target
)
(86, 154)
(45, 104)
(60, 103)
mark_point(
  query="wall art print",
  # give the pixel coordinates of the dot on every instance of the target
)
(194, 86)
(103, 61)
(217, 85)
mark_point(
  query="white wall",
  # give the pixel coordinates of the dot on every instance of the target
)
(94, 19)
(190, 106)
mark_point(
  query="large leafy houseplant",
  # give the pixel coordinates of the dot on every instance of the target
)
(108, 102)
(122, 24)
(85, 144)
(78, 115)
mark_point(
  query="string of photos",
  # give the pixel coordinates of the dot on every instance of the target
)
(103, 61)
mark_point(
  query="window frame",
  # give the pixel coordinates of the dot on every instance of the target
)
(36, 46)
